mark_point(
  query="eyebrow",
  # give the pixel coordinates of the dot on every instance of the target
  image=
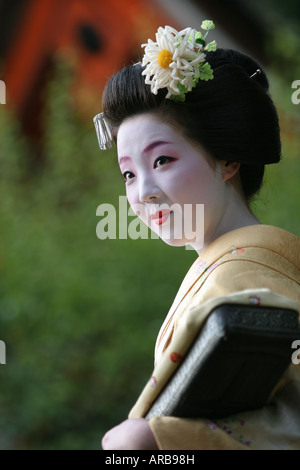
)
(150, 147)
(154, 145)
(123, 159)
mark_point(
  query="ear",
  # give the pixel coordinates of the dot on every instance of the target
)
(229, 169)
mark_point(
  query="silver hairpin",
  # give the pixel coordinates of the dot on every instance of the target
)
(103, 131)
(258, 71)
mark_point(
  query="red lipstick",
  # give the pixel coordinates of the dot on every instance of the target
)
(160, 216)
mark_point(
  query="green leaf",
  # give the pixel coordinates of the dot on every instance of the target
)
(211, 46)
(207, 25)
(195, 81)
(181, 88)
(181, 97)
(198, 35)
(178, 98)
(206, 72)
(198, 38)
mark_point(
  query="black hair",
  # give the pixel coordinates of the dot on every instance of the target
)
(232, 116)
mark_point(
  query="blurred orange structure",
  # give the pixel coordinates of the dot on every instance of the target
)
(98, 37)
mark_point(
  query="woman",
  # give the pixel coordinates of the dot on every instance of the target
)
(196, 126)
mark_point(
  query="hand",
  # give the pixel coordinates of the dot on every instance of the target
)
(132, 434)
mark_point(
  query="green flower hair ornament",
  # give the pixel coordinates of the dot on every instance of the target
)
(176, 60)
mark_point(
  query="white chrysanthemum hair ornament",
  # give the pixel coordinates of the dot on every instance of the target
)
(176, 60)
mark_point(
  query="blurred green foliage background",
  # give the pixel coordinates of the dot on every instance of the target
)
(80, 316)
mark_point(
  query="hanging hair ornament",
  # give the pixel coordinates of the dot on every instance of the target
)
(103, 131)
(176, 60)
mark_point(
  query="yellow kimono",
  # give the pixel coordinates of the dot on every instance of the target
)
(255, 264)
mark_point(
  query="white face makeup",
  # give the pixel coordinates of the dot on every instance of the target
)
(164, 172)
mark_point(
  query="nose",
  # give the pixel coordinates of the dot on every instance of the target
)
(148, 190)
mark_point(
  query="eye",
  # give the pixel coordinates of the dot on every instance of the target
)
(162, 160)
(127, 176)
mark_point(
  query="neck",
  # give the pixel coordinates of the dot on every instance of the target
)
(236, 213)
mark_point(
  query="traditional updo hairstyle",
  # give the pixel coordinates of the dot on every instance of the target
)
(231, 116)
